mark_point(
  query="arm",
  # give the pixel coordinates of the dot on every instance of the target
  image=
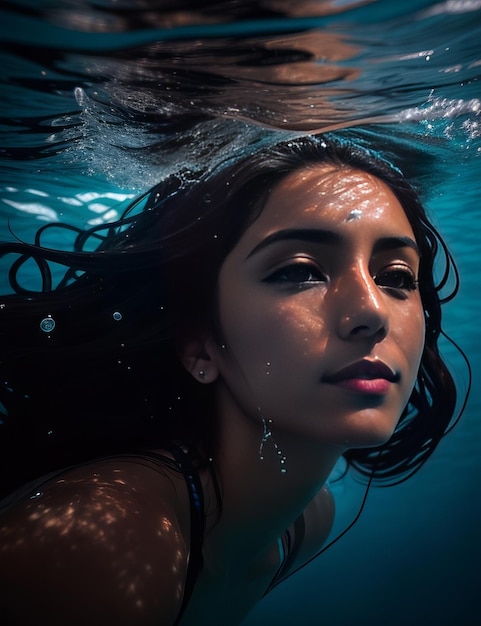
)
(103, 544)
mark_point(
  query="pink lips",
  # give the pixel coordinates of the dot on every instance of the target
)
(367, 377)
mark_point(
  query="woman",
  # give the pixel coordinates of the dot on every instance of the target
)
(225, 343)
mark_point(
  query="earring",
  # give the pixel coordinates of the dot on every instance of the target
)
(201, 374)
(266, 435)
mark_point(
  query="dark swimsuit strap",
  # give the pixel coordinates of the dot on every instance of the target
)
(197, 526)
(197, 517)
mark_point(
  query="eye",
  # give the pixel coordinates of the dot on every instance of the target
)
(398, 278)
(296, 274)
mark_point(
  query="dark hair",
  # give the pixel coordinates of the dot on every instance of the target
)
(107, 378)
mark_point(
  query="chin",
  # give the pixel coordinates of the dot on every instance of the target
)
(370, 434)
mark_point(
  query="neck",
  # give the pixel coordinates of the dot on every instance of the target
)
(259, 501)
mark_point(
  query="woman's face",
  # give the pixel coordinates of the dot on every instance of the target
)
(321, 317)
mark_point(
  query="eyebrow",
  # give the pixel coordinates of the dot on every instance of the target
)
(329, 237)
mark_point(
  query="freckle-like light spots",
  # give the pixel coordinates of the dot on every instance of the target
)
(109, 518)
(101, 511)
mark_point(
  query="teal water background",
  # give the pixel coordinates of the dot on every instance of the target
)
(402, 75)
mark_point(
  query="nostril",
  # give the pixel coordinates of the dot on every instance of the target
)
(366, 330)
(359, 330)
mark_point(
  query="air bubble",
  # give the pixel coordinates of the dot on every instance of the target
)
(47, 324)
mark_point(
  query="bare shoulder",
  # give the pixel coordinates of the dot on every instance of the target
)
(102, 542)
(318, 518)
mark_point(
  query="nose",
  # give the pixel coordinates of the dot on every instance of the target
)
(361, 307)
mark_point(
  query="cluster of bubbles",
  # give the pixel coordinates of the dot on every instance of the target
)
(130, 154)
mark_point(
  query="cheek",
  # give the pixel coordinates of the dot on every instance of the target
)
(421, 340)
(266, 330)
(411, 336)
(273, 351)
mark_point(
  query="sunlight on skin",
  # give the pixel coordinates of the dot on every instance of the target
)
(351, 187)
(94, 512)
(308, 329)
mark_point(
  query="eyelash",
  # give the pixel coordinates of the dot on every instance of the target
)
(409, 282)
(396, 278)
(292, 274)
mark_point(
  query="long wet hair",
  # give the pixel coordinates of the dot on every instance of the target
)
(89, 361)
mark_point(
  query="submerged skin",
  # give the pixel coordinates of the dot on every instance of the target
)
(295, 308)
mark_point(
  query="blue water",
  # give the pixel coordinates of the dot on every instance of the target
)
(405, 75)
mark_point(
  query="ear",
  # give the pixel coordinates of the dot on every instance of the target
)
(197, 356)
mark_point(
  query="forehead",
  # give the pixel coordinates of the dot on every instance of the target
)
(333, 194)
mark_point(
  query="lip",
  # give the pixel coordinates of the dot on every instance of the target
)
(365, 376)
